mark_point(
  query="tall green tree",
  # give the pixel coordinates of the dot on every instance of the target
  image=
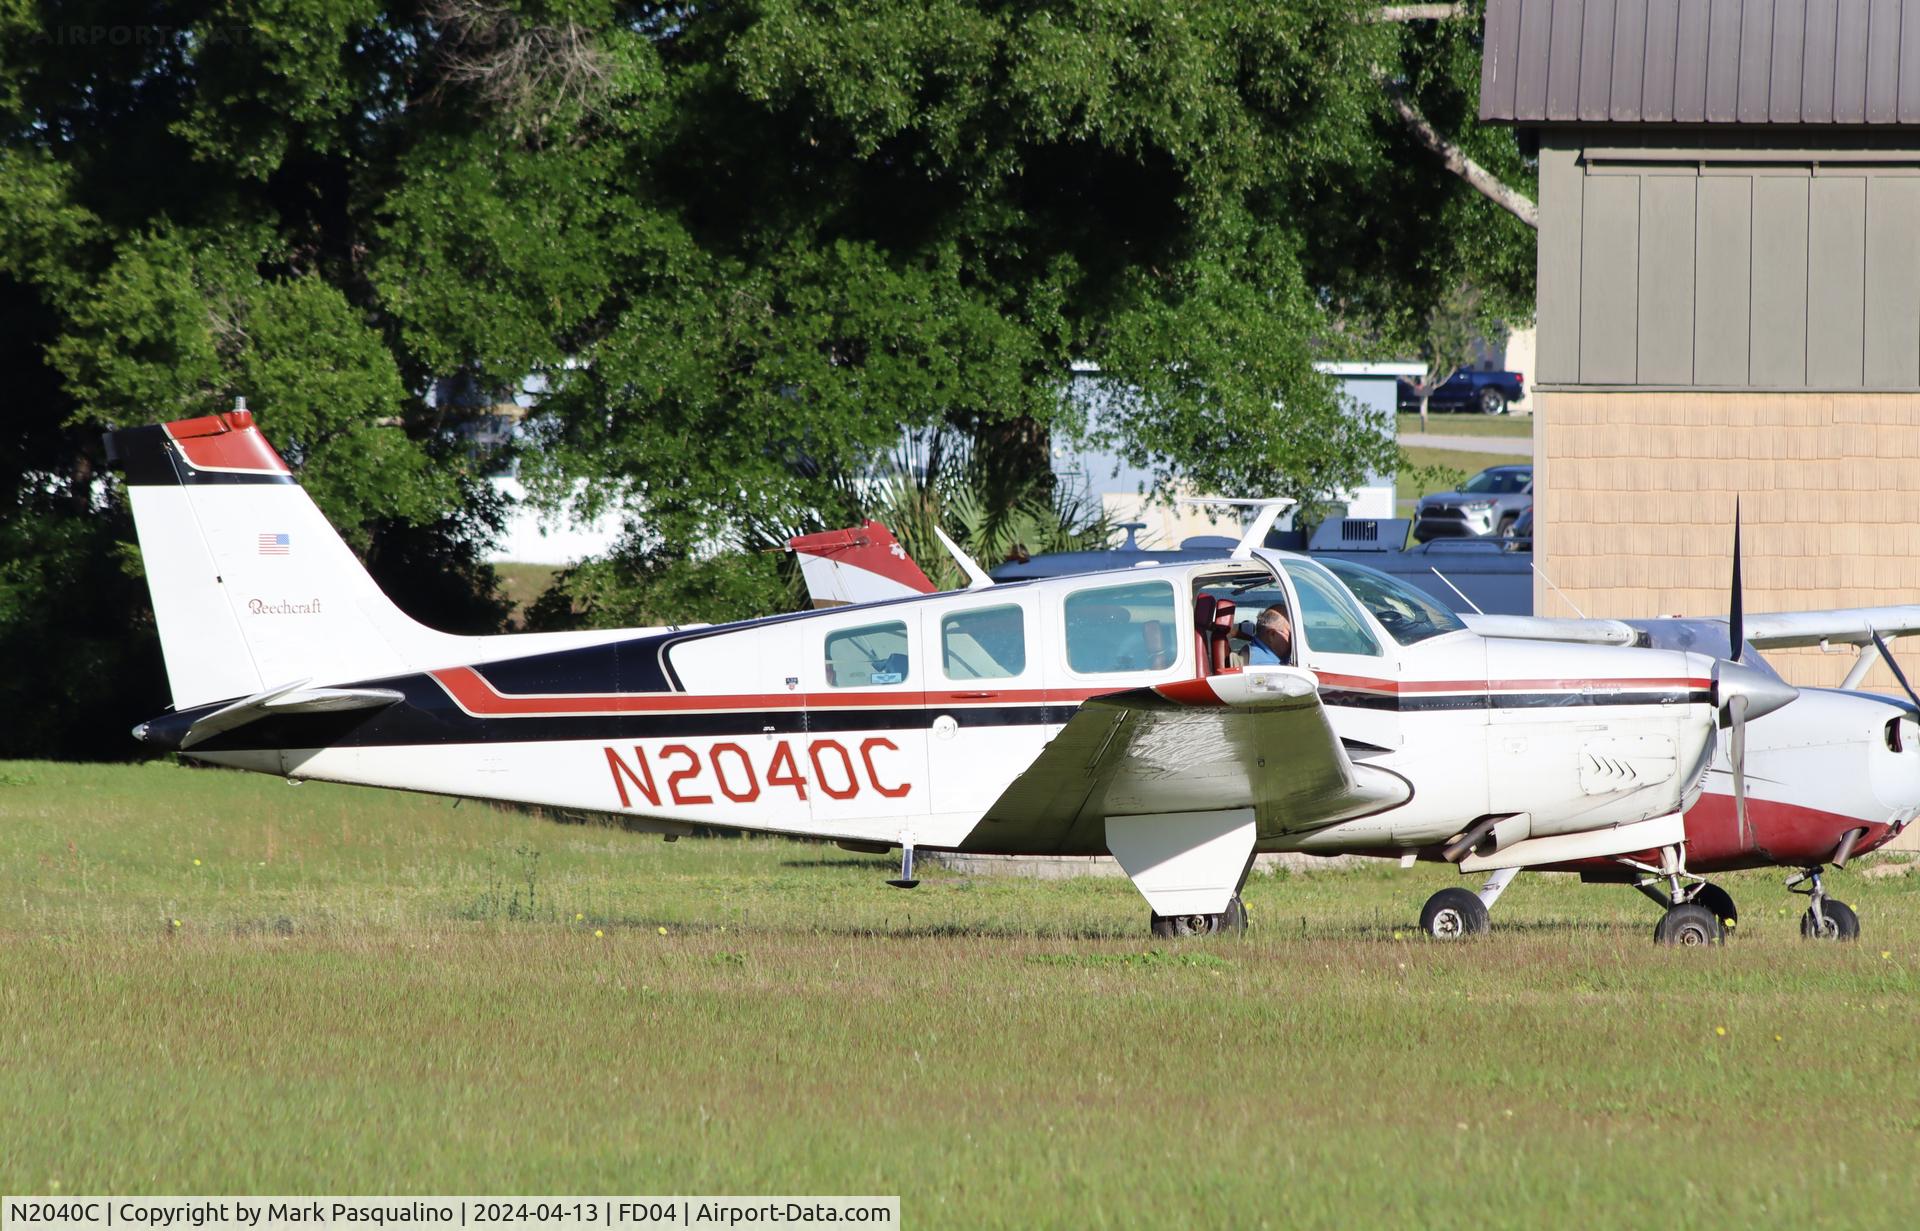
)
(731, 251)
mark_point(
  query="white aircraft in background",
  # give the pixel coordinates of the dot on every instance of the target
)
(1833, 775)
(1090, 714)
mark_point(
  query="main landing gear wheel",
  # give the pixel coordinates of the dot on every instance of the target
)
(1836, 922)
(1688, 924)
(1232, 920)
(1720, 902)
(1452, 914)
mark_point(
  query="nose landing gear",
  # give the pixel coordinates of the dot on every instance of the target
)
(1826, 918)
(1698, 912)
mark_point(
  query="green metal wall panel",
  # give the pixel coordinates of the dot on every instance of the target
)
(1723, 265)
(1778, 355)
(1892, 274)
(1665, 345)
(1836, 278)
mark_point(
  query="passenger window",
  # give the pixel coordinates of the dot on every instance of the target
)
(1329, 617)
(863, 657)
(1122, 628)
(988, 644)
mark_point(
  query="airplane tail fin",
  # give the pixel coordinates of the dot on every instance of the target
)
(862, 565)
(252, 588)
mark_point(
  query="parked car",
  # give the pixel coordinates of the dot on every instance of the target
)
(1491, 502)
(1487, 392)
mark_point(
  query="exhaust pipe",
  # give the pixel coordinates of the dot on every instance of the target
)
(1844, 851)
(1462, 846)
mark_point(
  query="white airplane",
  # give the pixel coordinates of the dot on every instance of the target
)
(1834, 775)
(1078, 715)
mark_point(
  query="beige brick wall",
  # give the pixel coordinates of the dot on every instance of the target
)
(1636, 514)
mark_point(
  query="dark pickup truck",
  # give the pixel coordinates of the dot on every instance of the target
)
(1487, 392)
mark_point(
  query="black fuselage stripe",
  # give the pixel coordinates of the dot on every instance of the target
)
(1424, 703)
(429, 718)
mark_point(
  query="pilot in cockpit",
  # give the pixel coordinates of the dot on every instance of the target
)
(1272, 643)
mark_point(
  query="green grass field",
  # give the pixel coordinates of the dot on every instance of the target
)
(367, 992)
(1457, 424)
(1468, 463)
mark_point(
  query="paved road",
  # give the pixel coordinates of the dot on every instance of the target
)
(1507, 446)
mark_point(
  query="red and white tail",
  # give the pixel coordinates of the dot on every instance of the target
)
(252, 588)
(863, 565)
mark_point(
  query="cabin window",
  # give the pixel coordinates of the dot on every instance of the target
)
(874, 655)
(987, 644)
(1329, 618)
(1122, 628)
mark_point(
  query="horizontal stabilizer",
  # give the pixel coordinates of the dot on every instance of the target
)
(294, 698)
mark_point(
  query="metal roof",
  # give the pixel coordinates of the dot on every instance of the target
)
(1702, 61)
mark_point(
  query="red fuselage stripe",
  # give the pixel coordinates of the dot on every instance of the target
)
(475, 695)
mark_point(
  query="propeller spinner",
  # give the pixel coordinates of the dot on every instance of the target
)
(1741, 692)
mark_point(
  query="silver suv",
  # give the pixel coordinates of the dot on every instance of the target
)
(1488, 503)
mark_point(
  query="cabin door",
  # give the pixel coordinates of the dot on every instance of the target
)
(986, 702)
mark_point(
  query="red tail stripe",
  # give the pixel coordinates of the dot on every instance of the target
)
(225, 442)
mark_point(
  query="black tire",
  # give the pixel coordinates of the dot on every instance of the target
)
(1505, 529)
(1841, 922)
(1688, 925)
(1720, 902)
(1176, 927)
(1492, 402)
(1454, 914)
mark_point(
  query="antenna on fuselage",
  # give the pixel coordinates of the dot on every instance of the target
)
(977, 578)
(1457, 590)
(1265, 512)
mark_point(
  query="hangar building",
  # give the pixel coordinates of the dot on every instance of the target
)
(1729, 300)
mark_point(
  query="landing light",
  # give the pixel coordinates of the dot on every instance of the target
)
(1286, 683)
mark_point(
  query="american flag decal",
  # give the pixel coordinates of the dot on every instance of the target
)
(275, 544)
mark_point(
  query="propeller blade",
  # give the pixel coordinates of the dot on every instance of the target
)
(1886, 656)
(1737, 753)
(1736, 615)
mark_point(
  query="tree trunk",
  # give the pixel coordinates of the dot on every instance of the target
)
(1016, 452)
(1423, 411)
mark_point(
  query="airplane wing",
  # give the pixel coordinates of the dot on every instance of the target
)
(1775, 630)
(1844, 626)
(1254, 739)
(1547, 628)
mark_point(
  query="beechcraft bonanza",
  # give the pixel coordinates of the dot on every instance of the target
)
(1833, 775)
(1091, 714)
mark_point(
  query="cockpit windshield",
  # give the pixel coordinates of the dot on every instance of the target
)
(1408, 615)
